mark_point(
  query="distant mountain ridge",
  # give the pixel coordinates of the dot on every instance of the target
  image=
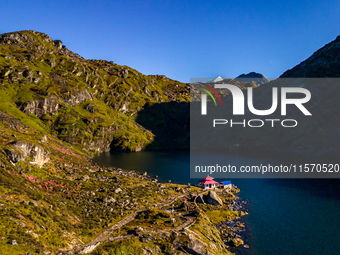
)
(257, 78)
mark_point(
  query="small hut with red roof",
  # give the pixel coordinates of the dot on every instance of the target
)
(208, 183)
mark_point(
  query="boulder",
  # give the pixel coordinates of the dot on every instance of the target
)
(22, 150)
(109, 200)
(235, 242)
(213, 198)
(51, 62)
(201, 199)
(58, 44)
(85, 178)
(34, 203)
(196, 247)
(22, 224)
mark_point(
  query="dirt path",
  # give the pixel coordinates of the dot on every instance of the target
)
(105, 236)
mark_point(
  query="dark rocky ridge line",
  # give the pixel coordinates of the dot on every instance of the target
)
(324, 63)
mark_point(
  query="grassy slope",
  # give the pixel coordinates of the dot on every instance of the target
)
(68, 192)
(118, 93)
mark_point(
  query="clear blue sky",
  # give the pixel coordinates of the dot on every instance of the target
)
(184, 39)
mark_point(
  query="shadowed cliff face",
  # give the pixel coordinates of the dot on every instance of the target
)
(170, 124)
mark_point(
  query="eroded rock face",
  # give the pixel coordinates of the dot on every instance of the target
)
(40, 156)
(14, 156)
(41, 107)
(22, 150)
(15, 38)
(51, 104)
(213, 198)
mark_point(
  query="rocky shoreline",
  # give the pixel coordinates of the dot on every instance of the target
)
(230, 231)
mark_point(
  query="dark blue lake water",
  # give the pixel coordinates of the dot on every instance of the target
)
(286, 216)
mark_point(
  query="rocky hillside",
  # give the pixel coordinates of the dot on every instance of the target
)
(92, 104)
(58, 108)
(325, 62)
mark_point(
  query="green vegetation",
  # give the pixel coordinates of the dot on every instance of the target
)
(96, 100)
(56, 110)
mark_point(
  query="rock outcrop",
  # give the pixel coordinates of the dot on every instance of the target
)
(51, 104)
(201, 199)
(236, 242)
(213, 198)
(196, 247)
(78, 98)
(22, 150)
(41, 107)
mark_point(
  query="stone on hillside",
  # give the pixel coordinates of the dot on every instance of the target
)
(213, 198)
(118, 190)
(139, 229)
(14, 155)
(85, 178)
(40, 156)
(78, 98)
(236, 242)
(44, 139)
(195, 246)
(91, 108)
(109, 200)
(22, 224)
(28, 74)
(201, 199)
(143, 240)
(33, 203)
(51, 62)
